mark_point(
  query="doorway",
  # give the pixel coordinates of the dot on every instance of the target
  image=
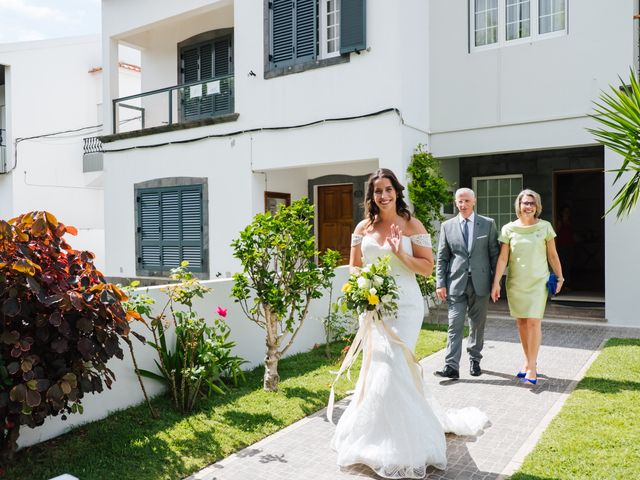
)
(335, 218)
(578, 213)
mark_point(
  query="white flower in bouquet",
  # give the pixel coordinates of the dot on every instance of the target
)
(371, 288)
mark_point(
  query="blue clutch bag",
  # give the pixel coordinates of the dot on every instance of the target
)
(552, 284)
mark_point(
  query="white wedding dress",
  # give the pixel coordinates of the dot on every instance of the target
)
(392, 426)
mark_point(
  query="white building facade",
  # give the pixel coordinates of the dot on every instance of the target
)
(50, 102)
(247, 104)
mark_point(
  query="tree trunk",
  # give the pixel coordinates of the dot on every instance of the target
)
(271, 377)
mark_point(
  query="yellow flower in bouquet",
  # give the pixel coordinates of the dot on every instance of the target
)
(370, 288)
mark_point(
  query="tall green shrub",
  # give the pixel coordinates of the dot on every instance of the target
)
(428, 193)
(280, 277)
(428, 190)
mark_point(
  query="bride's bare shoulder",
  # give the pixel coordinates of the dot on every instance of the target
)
(361, 228)
(414, 227)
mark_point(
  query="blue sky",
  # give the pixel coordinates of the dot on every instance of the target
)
(25, 20)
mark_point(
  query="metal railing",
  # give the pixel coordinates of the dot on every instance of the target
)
(93, 157)
(92, 145)
(177, 104)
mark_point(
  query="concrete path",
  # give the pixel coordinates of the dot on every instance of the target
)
(301, 451)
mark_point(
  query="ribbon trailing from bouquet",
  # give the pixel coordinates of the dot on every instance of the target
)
(364, 336)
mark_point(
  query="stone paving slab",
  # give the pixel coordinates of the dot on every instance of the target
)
(301, 451)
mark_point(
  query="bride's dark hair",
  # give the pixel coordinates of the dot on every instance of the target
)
(370, 207)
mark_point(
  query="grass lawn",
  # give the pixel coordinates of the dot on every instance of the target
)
(130, 444)
(596, 435)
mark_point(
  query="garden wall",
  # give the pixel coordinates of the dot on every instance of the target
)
(126, 392)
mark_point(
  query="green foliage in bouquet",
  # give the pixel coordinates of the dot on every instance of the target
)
(371, 288)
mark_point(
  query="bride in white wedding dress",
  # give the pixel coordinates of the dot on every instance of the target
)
(393, 425)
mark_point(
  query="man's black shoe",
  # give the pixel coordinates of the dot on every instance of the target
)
(447, 372)
(474, 368)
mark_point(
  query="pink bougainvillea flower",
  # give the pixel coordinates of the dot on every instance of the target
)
(221, 311)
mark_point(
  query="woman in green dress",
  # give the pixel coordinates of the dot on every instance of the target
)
(527, 249)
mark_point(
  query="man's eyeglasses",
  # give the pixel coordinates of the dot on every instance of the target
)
(528, 204)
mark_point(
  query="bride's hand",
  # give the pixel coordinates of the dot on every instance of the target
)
(395, 240)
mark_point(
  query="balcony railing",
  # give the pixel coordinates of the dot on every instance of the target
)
(178, 104)
(92, 159)
(92, 145)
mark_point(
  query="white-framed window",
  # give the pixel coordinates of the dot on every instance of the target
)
(552, 16)
(329, 28)
(497, 23)
(518, 19)
(495, 197)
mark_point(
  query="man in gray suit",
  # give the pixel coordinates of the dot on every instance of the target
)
(467, 254)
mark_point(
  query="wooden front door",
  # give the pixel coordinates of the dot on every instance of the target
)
(335, 218)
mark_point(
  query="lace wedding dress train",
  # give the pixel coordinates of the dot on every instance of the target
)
(393, 423)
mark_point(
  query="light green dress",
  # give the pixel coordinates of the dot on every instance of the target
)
(528, 269)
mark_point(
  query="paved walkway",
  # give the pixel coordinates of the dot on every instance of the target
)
(301, 451)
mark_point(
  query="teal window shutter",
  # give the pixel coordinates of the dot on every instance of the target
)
(281, 31)
(353, 26)
(191, 227)
(223, 65)
(149, 230)
(306, 31)
(294, 33)
(202, 62)
(170, 228)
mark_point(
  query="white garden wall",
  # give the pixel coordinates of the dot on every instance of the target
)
(125, 392)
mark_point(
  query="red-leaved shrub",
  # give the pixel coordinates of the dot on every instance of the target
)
(60, 324)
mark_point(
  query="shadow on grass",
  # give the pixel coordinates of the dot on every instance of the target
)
(604, 385)
(249, 422)
(312, 401)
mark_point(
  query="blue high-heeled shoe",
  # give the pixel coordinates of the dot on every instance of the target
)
(532, 381)
(521, 374)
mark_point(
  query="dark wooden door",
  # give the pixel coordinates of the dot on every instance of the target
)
(335, 218)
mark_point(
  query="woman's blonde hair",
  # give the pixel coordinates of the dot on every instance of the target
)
(528, 193)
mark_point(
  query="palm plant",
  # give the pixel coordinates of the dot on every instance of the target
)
(618, 113)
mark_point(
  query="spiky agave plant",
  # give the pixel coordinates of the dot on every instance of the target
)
(618, 113)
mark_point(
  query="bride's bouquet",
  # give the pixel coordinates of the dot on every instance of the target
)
(371, 288)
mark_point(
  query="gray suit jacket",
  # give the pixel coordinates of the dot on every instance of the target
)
(454, 261)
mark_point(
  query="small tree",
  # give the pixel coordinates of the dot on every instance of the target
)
(61, 323)
(280, 277)
(619, 116)
(428, 192)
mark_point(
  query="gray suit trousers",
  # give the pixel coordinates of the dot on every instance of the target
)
(459, 306)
